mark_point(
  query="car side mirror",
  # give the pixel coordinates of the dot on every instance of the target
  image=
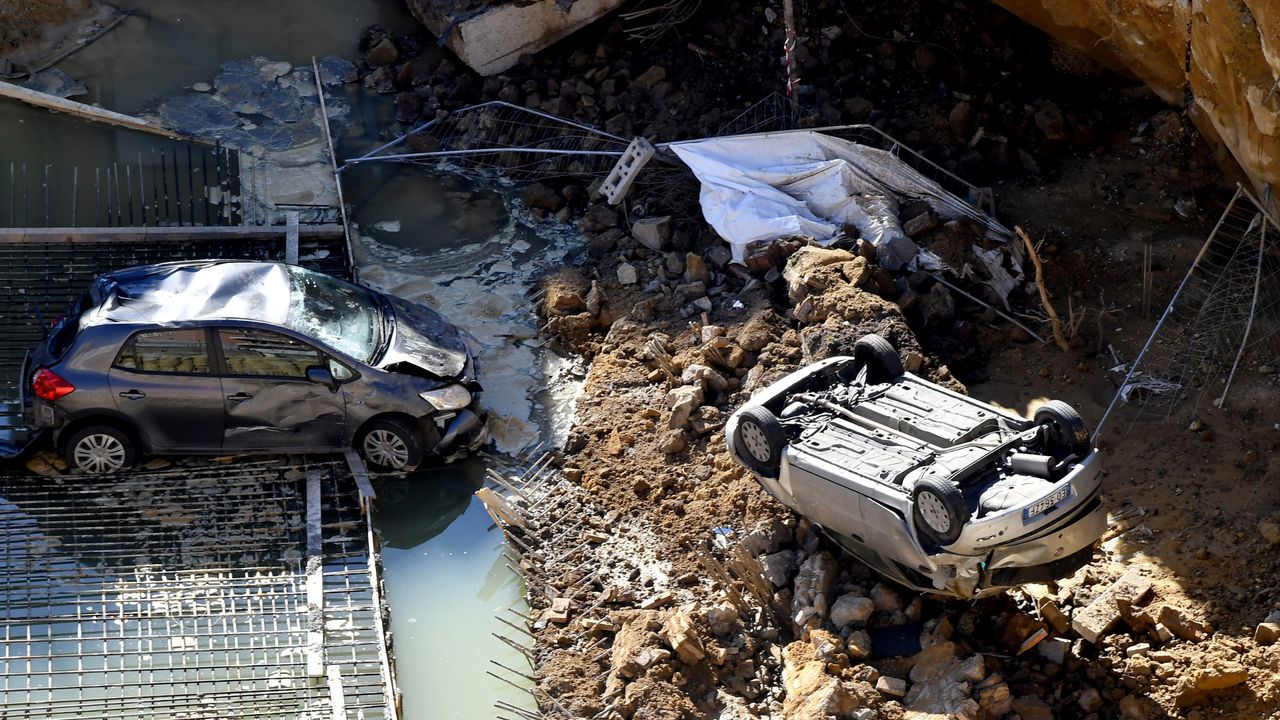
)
(321, 376)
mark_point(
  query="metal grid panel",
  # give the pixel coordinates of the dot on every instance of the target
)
(181, 594)
(1219, 337)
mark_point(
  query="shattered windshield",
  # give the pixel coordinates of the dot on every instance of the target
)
(343, 316)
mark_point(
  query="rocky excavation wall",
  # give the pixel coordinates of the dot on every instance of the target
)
(1218, 58)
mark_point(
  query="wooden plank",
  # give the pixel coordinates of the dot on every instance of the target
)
(88, 112)
(161, 234)
(315, 579)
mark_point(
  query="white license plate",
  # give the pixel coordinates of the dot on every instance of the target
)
(1046, 503)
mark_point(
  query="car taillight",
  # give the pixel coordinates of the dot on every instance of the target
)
(48, 386)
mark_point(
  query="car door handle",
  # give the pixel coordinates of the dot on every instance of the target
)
(240, 397)
(133, 394)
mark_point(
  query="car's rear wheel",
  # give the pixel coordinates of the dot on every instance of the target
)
(879, 357)
(759, 439)
(939, 510)
(1066, 427)
(391, 444)
(99, 450)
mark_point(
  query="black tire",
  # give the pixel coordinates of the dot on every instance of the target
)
(391, 445)
(759, 439)
(879, 357)
(1066, 427)
(100, 450)
(937, 502)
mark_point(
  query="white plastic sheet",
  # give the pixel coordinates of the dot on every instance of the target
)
(759, 188)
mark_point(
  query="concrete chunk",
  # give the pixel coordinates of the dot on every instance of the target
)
(1266, 633)
(893, 687)
(1096, 620)
(1181, 624)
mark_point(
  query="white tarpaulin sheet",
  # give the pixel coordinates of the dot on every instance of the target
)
(759, 188)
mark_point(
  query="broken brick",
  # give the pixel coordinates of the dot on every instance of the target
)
(1100, 616)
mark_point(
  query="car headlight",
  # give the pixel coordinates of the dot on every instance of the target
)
(449, 397)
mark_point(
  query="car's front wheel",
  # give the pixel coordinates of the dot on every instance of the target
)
(99, 450)
(1066, 428)
(879, 357)
(391, 445)
(939, 510)
(759, 438)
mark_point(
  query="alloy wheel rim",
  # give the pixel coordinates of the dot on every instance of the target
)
(757, 444)
(386, 448)
(934, 512)
(99, 453)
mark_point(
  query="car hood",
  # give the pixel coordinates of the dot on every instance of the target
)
(423, 339)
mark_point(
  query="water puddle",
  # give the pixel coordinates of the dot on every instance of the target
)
(473, 252)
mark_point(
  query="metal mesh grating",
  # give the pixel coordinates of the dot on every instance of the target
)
(182, 594)
(1218, 340)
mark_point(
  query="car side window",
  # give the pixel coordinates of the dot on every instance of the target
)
(339, 371)
(261, 353)
(166, 351)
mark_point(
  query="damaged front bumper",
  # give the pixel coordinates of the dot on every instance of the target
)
(1053, 545)
(465, 433)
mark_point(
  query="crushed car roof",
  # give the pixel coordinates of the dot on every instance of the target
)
(190, 291)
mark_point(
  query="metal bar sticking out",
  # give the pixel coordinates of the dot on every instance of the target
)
(517, 647)
(164, 185)
(47, 201)
(496, 676)
(508, 707)
(223, 205)
(13, 190)
(177, 185)
(515, 627)
(142, 192)
(128, 182)
(204, 180)
(155, 192)
(191, 193)
(75, 192)
(97, 197)
(26, 201)
(1253, 306)
(119, 198)
(333, 164)
(513, 671)
(109, 205)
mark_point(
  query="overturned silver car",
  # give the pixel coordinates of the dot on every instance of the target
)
(935, 490)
